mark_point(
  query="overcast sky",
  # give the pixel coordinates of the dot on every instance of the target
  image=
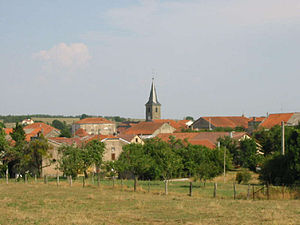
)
(212, 57)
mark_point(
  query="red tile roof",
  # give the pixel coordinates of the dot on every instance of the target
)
(81, 133)
(8, 130)
(228, 121)
(127, 137)
(44, 127)
(178, 125)
(94, 120)
(276, 119)
(257, 119)
(146, 128)
(67, 141)
(208, 139)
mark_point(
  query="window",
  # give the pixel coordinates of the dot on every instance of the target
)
(156, 109)
(112, 149)
(136, 140)
(113, 156)
(148, 109)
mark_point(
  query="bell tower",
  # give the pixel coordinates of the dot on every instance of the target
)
(153, 106)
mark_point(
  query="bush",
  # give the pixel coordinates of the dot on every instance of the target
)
(243, 177)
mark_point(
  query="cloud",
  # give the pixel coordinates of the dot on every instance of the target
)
(74, 55)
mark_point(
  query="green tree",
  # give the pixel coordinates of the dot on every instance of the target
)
(166, 161)
(284, 169)
(232, 145)
(58, 124)
(70, 163)
(37, 152)
(133, 159)
(92, 154)
(248, 154)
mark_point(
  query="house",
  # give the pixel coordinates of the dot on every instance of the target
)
(179, 125)
(149, 129)
(34, 130)
(254, 122)
(207, 139)
(95, 126)
(290, 119)
(212, 122)
(27, 122)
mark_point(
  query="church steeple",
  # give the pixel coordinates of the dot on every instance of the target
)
(152, 106)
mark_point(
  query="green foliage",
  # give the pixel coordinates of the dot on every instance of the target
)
(134, 159)
(18, 134)
(71, 163)
(75, 160)
(2, 125)
(284, 169)
(232, 145)
(189, 118)
(248, 154)
(58, 124)
(157, 159)
(83, 116)
(66, 132)
(243, 176)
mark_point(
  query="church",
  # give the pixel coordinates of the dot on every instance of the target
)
(153, 107)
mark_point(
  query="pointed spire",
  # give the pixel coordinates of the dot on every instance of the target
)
(153, 96)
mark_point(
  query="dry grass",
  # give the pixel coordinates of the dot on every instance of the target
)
(62, 119)
(47, 204)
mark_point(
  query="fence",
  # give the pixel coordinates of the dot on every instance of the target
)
(199, 189)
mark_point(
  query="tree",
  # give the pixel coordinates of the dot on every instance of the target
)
(37, 152)
(166, 161)
(248, 154)
(134, 160)
(92, 154)
(284, 169)
(189, 118)
(58, 124)
(2, 125)
(83, 116)
(232, 145)
(70, 163)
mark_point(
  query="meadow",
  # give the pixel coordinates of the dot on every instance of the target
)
(116, 203)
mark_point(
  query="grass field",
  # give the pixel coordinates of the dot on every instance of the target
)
(39, 203)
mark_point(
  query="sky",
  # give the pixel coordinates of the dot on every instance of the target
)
(208, 57)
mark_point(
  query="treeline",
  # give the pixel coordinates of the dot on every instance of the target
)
(20, 118)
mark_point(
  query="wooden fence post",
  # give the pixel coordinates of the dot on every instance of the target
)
(57, 180)
(268, 191)
(93, 178)
(166, 187)
(148, 186)
(113, 181)
(122, 184)
(248, 192)
(282, 191)
(35, 178)
(234, 191)
(25, 178)
(134, 183)
(98, 179)
(215, 190)
(45, 179)
(191, 189)
(83, 181)
(6, 175)
(253, 193)
(70, 179)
